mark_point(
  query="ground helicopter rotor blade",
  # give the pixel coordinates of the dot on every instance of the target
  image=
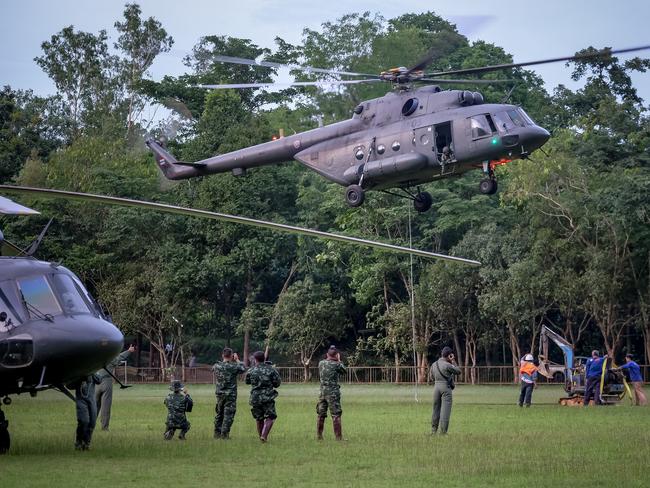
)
(7, 207)
(125, 202)
(287, 85)
(273, 64)
(578, 57)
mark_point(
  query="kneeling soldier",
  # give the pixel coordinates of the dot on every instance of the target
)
(263, 378)
(329, 370)
(178, 403)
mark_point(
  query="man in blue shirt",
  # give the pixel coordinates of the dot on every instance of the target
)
(593, 372)
(636, 378)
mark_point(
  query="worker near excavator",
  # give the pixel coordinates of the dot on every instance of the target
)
(593, 373)
(636, 378)
(527, 378)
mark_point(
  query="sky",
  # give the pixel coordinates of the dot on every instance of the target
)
(528, 30)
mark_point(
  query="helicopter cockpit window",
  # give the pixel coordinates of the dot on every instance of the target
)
(71, 300)
(526, 117)
(516, 118)
(481, 126)
(38, 296)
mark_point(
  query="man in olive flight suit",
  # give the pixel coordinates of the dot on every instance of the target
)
(329, 370)
(178, 403)
(86, 411)
(443, 371)
(104, 391)
(263, 378)
(225, 373)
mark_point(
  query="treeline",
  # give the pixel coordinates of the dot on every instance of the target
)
(564, 243)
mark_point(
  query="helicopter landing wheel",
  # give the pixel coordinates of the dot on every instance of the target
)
(422, 201)
(6, 400)
(488, 186)
(354, 195)
(5, 439)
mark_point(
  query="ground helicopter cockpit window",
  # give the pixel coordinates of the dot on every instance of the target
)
(38, 296)
(9, 304)
(71, 299)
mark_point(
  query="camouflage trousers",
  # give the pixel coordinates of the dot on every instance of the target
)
(263, 410)
(177, 422)
(225, 412)
(331, 401)
(86, 419)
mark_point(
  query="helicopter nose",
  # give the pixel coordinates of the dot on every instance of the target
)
(536, 137)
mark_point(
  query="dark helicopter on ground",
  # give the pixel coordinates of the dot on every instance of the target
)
(406, 138)
(52, 332)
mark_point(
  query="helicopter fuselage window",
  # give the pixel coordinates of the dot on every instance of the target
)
(71, 300)
(481, 126)
(39, 296)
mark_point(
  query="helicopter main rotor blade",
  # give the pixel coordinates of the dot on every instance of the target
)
(272, 64)
(287, 85)
(466, 82)
(291, 229)
(423, 63)
(578, 57)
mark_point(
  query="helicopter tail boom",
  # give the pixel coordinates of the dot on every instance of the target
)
(170, 166)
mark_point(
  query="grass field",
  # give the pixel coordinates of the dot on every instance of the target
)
(491, 442)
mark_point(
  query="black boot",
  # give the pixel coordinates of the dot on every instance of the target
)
(169, 434)
(217, 433)
(266, 430)
(320, 425)
(79, 437)
(338, 428)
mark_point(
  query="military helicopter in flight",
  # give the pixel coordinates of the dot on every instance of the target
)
(406, 138)
(52, 332)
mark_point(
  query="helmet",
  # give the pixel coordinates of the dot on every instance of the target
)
(528, 357)
(176, 385)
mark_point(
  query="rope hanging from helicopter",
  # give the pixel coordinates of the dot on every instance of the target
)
(414, 334)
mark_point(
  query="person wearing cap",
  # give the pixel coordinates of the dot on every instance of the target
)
(104, 391)
(636, 378)
(527, 378)
(263, 378)
(443, 372)
(593, 373)
(5, 322)
(329, 371)
(178, 403)
(225, 374)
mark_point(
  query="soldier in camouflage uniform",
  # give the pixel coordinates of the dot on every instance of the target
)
(86, 411)
(329, 370)
(104, 391)
(225, 373)
(178, 403)
(442, 372)
(263, 378)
